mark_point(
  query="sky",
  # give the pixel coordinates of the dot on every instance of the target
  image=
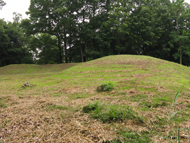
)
(19, 6)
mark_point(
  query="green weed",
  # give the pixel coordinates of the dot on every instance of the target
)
(105, 87)
(173, 120)
(92, 107)
(111, 112)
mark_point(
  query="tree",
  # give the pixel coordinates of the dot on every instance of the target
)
(4, 44)
(89, 29)
(44, 48)
(180, 34)
(47, 16)
(12, 50)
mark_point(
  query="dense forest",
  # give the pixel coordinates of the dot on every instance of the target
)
(62, 31)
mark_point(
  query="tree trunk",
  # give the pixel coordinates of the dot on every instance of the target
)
(60, 50)
(86, 57)
(70, 39)
(65, 45)
(181, 54)
(81, 53)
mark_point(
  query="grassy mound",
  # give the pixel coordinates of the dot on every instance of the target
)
(137, 102)
(141, 72)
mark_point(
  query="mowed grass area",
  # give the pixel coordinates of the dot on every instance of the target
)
(63, 105)
(31, 68)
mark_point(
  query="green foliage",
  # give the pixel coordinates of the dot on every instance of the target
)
(105, 87)
(108, 113)
(45, 48)
(12, 46)
(157, 28)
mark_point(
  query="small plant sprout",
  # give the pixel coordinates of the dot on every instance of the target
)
(172, 120)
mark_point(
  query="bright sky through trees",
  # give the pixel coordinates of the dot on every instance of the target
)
(19, 6)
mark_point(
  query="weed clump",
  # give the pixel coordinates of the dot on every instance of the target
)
(105, 87)
(108, 113)
(91, 107)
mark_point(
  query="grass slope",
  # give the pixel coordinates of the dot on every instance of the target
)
(64, 106)
(31, 68)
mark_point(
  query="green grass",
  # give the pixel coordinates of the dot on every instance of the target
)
(139, 85)
(133, 137)
(31, 68)
(110, 112)
(129, 136)
(138, 98)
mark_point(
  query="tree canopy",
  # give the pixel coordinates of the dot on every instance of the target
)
(81, 30)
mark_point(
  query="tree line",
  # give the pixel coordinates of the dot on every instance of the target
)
(60, 31)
